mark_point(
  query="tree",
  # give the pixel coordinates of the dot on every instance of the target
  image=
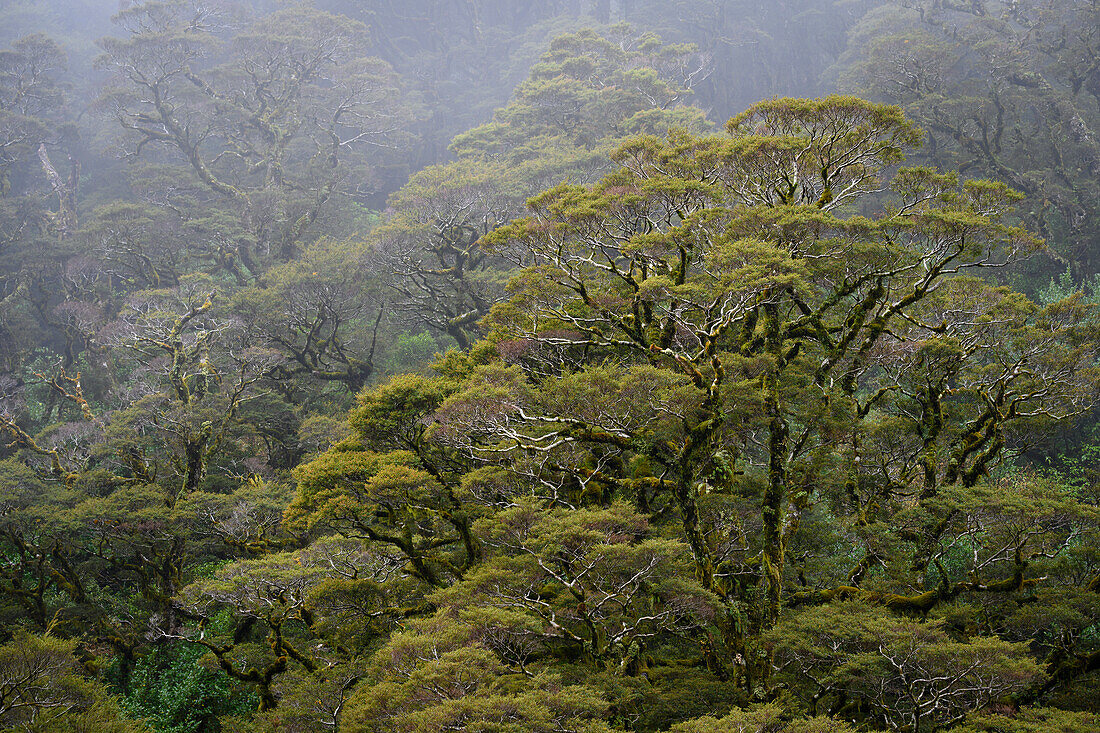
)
(191, 414)
(38, 203)
(31, 112)
(1039, 719)
(322, 312)
(590, 583)
(437, 675)
(587, 91)
(279, 604)
(389, 484)
(741, 429)
(1006, 91)
(270, 113)
(764, 719)
(729, 280)
(171, 690)
(42, 689)
(588, 88)
(755, 51)
(441, 276)
(912, 674)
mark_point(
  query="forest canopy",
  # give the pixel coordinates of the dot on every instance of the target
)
(570, 366)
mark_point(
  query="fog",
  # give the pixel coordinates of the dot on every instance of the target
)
(463, 58)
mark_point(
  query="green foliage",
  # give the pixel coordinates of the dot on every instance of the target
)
(765, 719)
(1028, 720)
(596, 585)
(614, 484)
(588, 88)
(587, 93)
(1063, 287)
(912, 674)
(44, 689)
(410, 351)
(438, 675)
(175, 693)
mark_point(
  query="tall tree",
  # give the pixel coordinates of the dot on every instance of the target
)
(715, 333)
(1004, 90)
(588, 91)
(270, 112)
